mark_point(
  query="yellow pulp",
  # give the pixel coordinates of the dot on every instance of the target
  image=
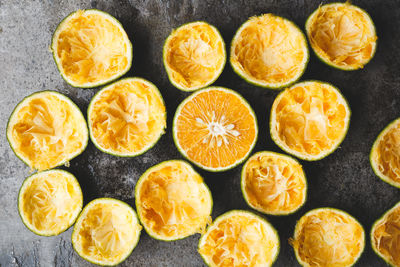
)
(274, 183)
(311, 118)
(386, 236)
(215, 128)
(107, 233)
(47, 131)
(386, 155)
(342, 35)
(50, 202)
(127, 117)
(91, 48)
(194, 55)
(239, 240)
(173, 201)
(328, 238)
(269, 50)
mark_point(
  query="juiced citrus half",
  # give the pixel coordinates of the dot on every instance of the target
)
(194, 56)
(172, 201)
(273, 183)
(239, 238)
(309, 119)
(106, 232)
(342, 35)
(269, 51)
(385, 154)
(215, 128)
(49, 202)
(46, 130)
(385, 236)
(328, 237)
(91, 48)
(127, 117)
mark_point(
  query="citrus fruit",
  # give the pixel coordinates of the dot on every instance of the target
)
(49, 202)
(91, 48)
(342, 35)
(127, 117)
(269, 51)
(239, 238)
(46, 129)
(172, 201)
(106, 231)
(385, 154)
(328, 237)
(309, 120)
(273, 183)
(385, 236)
(194, 56)
(215, 128)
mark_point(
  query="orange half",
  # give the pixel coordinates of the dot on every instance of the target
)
(385, 154)
(127, 117)
(342, 35)
(309, 120)
(385, 236)
(194, 56)
(215, 128)
(91, 48)
(328, 237)
(239, 239)
(273, 183)
(173, 201)
(269, 51)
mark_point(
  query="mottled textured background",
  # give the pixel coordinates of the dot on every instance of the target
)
(343, 180)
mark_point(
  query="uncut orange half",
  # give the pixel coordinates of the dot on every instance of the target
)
(215, 128)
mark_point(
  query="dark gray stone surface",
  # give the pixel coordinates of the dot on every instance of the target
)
(343, 180)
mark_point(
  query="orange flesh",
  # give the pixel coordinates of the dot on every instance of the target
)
(330, 239)
(194, 55)
(269, 50)
(311, 119)
(215, 128)
(274, 184)
(128, 117)
(107, 233)
(51, 202)
(47, 131)
(386, 237)
(387, 154)
(91, 48)
(174, 202)
(240, 240)
(343, 35)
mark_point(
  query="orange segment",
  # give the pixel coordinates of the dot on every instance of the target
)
(385, 236)
(239, 238)
(46, 130)
(342, 34)
(91, 48)
(194, 55)
(215, 128)
(172, 201)
(127, 117)
(273, 183)
(309, 119)
(385, 154)
(328, 237)
(269, 51)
